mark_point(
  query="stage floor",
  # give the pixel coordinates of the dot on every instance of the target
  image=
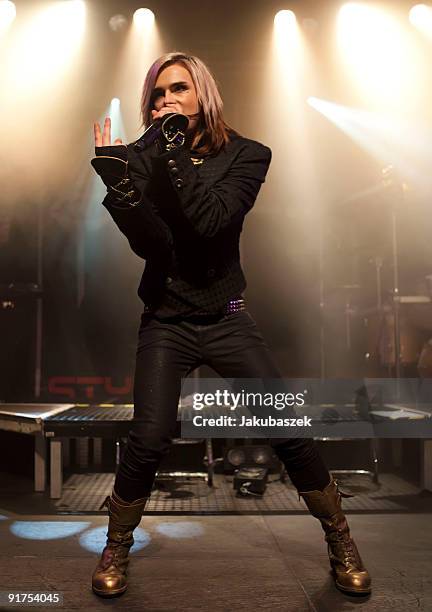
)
(220, 563)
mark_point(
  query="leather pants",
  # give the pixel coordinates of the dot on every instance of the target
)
(168, 350)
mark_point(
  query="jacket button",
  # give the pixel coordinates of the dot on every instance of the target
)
(178, 183)
(211, 272)
(168, 280)
(174, 170)
(171, 163)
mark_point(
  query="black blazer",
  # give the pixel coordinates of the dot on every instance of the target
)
(188, 224)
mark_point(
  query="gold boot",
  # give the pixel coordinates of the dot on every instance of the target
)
(348, 570)
(109, 577)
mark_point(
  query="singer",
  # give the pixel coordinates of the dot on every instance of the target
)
(180, 199)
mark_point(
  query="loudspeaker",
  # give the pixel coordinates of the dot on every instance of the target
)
(250, 455)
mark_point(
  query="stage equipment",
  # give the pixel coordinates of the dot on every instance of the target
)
(366, 230)
(399, 339)
(250, 481)
(250, 455)
(381, 336)
(58, 423)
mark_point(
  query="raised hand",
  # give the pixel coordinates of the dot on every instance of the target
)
(104, 139)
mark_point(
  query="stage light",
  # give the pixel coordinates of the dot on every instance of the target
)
(379, 57)
(369, 130)
(95, 190)
(286, 36)
(387, 137)
(143, 17)
(421, 17)
(7, 14)
(289, 74)
(94, 540)
(117, 126)
(47, 530)
(117, 23)
(285, 19)
(46, 44)
(352, 10)
(141, 46)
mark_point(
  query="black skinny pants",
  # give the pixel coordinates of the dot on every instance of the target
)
(167, 352)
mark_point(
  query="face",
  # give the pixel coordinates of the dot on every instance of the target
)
(174, 90)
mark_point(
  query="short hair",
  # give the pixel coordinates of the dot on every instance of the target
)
(212, 130)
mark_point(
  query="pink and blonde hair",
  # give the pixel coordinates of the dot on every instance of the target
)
(212, 131)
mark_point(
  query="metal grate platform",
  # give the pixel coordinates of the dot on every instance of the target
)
(86, 492)
(96, 412)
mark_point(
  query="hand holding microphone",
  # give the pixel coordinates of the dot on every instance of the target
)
(168, 130)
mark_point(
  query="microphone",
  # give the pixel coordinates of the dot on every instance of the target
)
(169, 130)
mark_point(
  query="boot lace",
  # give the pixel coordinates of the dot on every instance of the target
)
(347, 545)
(111, 556)
(107, 559)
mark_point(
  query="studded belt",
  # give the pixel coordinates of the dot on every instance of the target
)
(234, 306)
(230, 307)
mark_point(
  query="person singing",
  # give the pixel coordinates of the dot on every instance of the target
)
(181, 201)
